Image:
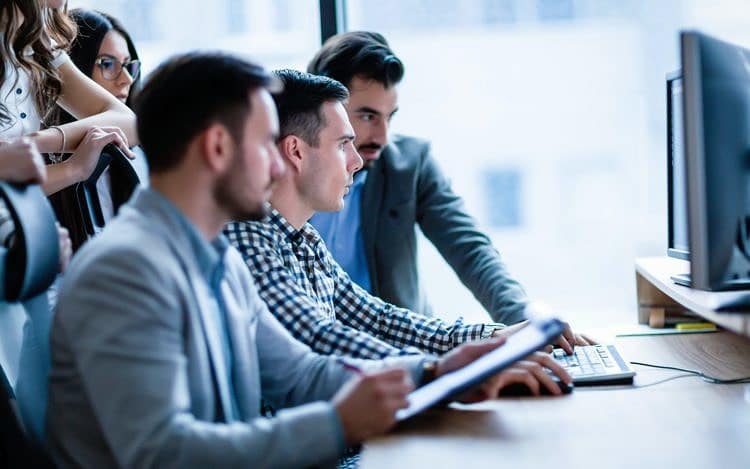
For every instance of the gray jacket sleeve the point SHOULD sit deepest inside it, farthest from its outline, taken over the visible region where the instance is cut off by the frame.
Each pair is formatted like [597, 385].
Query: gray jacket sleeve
[123, 320]
[443, 218]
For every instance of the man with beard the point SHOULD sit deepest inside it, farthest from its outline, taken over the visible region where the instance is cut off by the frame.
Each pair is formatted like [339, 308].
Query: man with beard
[401, 187]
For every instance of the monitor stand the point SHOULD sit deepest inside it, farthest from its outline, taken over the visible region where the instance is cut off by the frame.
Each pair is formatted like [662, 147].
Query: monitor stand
[682, 279]
[686, 280]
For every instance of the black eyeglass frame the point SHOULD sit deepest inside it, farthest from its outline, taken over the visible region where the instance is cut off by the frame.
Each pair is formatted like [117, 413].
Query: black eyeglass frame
[120, 66]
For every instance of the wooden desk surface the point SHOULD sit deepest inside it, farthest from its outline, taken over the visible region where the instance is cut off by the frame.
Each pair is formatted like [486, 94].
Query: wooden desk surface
[666, 419]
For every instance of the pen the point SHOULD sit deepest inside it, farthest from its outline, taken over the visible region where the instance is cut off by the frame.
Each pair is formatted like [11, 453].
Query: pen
[350, 367]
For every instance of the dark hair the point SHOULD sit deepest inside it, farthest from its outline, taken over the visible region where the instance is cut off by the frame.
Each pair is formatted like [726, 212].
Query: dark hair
[188, 93]
[358, 53]
[299, 104]
[30, 24]
[92, 27]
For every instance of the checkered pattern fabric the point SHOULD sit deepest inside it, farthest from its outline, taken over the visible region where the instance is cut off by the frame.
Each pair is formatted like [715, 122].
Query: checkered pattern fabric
[314, 298]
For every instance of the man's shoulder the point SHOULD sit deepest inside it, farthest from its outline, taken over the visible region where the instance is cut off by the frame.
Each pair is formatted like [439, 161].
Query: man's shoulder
[410, 145]
[261, 244]
[124, 245]
[249, 235]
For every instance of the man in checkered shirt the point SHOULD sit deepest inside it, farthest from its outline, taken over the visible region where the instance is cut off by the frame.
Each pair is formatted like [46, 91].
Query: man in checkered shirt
[303, 286]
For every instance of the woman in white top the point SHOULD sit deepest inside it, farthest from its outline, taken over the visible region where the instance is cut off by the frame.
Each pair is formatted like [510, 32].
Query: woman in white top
[36, 73]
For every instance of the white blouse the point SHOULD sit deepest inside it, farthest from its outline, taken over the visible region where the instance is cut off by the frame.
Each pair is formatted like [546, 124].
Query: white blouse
[16, 95]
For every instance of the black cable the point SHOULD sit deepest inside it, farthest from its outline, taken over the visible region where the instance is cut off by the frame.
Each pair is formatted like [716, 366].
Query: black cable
[703, 376]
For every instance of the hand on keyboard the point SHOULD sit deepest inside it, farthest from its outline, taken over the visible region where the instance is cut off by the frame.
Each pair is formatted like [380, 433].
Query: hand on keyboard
[569, 339]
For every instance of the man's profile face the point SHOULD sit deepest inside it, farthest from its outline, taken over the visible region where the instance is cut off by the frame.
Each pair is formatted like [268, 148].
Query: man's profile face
[370, 108]
[245, 188]
[328, 168]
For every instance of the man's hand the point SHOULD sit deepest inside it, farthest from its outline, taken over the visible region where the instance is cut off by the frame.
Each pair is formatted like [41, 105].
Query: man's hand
[367, 404]
[20, 162]
[568, 339]
[530, 371]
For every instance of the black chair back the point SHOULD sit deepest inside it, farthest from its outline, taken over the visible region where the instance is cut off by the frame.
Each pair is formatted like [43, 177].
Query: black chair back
[87, 198]
[32, 262]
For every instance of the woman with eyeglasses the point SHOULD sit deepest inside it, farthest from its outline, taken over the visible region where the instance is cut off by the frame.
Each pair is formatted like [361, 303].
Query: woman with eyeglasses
[35, 74]
[103, 51]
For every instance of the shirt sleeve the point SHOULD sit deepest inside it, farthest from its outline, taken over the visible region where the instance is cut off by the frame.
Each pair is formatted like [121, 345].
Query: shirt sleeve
[59, 58]
[296, 310]
[398, 327]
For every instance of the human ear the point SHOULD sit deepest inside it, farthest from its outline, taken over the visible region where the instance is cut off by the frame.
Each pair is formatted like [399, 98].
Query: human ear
[218, 147]
[293, 150]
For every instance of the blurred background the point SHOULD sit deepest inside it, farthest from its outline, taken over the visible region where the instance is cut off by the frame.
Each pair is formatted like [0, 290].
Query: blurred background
[548, 116]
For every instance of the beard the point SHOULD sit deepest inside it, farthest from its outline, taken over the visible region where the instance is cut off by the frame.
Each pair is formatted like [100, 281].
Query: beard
[228, 194]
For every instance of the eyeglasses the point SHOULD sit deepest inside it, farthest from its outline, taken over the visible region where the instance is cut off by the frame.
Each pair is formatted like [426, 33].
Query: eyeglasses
[112, 69]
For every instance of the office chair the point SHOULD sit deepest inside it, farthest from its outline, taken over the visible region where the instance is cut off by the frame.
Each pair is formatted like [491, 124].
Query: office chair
[29, 268]
[89, 209]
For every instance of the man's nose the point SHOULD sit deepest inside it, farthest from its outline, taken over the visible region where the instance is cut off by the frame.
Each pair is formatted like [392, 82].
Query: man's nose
[354, 159]
[380, 132]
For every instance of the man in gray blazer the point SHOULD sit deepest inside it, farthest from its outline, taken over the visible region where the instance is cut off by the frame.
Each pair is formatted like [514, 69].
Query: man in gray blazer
[161, 347]
[401, 187]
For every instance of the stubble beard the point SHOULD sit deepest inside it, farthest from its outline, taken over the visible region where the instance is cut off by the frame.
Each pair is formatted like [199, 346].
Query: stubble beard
[228, 190]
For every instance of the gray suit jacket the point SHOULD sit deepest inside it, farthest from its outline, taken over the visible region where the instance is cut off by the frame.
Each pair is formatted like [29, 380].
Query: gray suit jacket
[405, 188]
[134, 358]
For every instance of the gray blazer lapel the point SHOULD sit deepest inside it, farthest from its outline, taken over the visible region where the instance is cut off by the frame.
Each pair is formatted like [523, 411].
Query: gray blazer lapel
[370, 206]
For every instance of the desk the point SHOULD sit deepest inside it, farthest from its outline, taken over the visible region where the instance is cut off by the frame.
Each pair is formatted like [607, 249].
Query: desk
[658, 295]
[679, 423]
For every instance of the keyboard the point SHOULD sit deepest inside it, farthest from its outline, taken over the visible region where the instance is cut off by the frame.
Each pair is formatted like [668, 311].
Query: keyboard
[592, 365]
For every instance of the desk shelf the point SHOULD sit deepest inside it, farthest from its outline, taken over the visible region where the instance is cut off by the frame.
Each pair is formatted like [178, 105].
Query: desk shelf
[659, 296]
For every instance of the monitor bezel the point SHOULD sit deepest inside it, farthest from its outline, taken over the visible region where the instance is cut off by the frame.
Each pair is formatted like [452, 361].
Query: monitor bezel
[671, 250]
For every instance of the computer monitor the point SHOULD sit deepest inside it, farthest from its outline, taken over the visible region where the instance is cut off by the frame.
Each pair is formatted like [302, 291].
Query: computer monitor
[716, 123]
[677, 225]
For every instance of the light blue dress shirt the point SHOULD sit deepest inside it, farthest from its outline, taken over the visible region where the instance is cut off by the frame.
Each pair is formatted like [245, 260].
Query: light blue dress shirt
[210, 257]
[342, 233]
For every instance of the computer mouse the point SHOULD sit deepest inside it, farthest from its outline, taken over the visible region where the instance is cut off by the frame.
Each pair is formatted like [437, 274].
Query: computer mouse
[521, 389]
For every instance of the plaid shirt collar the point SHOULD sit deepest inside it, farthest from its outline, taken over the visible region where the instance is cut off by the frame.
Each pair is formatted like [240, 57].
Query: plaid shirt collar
[293, 235]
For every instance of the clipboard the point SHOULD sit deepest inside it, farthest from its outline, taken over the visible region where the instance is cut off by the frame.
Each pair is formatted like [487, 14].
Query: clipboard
[528, 340]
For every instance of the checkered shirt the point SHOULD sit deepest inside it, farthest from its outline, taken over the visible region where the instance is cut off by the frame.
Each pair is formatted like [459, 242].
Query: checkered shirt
[314, 298]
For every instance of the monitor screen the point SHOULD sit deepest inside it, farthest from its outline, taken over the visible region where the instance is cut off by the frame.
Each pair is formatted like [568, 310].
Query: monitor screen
[677, 240]
[716, 116]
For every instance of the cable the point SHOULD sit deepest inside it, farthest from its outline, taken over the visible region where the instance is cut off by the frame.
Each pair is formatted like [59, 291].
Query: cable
[703, 376]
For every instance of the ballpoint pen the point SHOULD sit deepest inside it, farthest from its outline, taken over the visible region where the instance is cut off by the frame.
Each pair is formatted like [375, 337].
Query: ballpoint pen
[350, 367]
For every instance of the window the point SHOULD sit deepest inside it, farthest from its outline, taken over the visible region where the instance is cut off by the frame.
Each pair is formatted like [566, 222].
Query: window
[549, 117]
[277, 33]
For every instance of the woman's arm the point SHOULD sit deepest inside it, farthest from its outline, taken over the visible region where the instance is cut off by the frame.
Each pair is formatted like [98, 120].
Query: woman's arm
[83, 161]
[92, 105]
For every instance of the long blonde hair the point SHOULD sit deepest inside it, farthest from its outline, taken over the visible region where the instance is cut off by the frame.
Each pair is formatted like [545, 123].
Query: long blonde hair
[29, 23]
